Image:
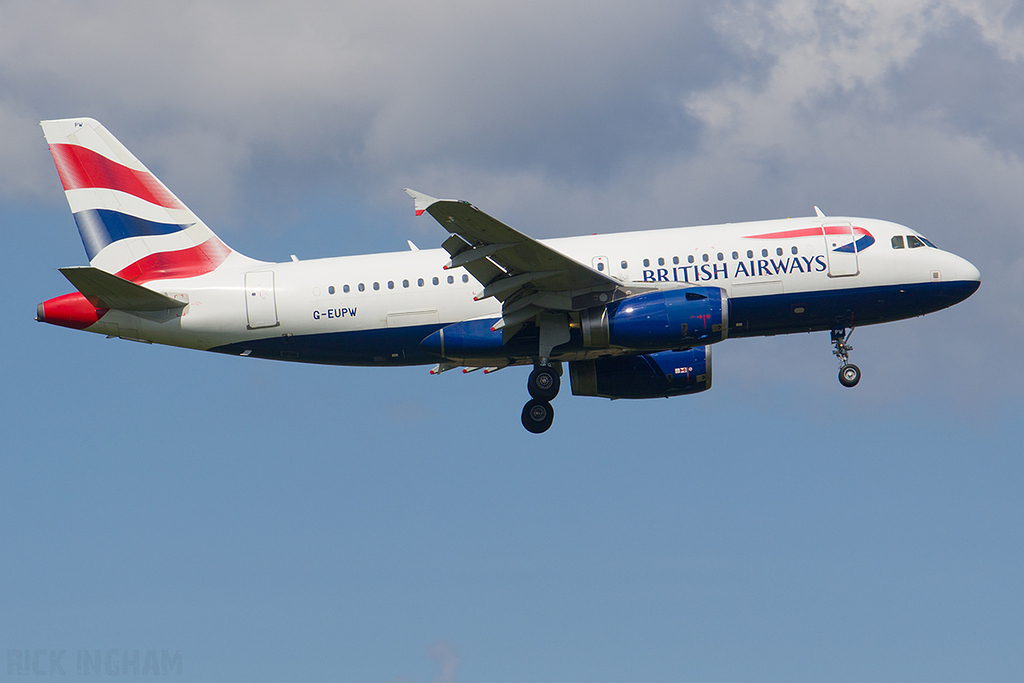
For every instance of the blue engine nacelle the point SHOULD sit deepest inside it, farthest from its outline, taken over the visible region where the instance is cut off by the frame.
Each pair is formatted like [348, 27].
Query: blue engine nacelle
[669, 319]
[473, 341]
[655, 375]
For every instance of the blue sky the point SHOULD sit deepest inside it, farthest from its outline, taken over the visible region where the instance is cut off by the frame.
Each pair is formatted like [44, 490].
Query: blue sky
[268, 520]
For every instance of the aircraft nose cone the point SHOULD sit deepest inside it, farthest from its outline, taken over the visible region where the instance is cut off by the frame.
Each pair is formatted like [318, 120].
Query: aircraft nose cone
[965, 270]
[967, 273]
[968, 279]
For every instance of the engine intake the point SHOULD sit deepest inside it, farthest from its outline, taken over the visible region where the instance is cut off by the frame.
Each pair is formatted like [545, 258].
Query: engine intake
[654, 375]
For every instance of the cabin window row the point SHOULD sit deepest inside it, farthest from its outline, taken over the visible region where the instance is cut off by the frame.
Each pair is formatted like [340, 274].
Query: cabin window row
[779, 251]
[391, 284]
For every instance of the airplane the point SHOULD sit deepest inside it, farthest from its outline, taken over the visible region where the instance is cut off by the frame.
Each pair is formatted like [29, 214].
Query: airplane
[633, 314]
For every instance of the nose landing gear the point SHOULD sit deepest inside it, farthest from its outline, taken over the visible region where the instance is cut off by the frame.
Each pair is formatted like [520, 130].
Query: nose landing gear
[543, 386]
[849, 374]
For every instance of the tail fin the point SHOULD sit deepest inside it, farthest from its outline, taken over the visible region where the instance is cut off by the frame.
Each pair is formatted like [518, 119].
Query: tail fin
[130, 223]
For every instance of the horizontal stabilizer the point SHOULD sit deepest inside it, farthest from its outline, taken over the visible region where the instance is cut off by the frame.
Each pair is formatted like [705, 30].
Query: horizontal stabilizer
[107, 290]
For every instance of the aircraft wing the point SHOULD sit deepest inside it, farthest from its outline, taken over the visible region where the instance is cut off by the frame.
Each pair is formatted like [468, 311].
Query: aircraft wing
[528, 277]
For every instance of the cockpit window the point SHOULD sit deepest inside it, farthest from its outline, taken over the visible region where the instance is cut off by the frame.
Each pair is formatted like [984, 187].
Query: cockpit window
[929, 243]
[913, 242]
[897, 242]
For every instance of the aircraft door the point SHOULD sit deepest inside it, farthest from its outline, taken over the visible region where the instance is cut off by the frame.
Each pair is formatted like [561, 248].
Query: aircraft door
[260, 302]
[840, 250]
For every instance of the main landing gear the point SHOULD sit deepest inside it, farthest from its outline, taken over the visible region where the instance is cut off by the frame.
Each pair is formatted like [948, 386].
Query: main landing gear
[543, 386]
[849, 374]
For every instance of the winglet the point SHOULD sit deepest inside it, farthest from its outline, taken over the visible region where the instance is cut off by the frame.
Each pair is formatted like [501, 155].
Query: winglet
[818, 213]
[420, 201]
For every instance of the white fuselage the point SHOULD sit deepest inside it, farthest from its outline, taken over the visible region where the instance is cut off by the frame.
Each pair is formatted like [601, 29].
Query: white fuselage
[246, 300]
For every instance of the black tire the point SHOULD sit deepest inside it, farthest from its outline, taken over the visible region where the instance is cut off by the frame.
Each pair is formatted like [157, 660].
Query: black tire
[543, 383]
[849, 375]
[538, 416]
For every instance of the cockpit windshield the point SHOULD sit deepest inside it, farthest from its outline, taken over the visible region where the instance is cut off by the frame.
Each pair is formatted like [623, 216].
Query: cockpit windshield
[913, 242]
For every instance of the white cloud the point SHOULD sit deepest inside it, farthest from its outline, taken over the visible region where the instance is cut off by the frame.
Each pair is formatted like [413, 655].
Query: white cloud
[815, 49]
[998, 25]
[379, 85]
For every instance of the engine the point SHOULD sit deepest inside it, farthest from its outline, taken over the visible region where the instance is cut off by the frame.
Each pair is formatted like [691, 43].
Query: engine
[669, 319]
[655, 321]
[654, 375]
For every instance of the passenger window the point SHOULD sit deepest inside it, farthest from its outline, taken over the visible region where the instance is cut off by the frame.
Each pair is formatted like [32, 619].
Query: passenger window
[435, 281]
[330, 290]
[764, 252]
[600, 267]
[778, 251]
[647, 263]
[345, 289]
[704, 258]
[689, 259]
[362, 287]
[391, 284]
[451, 279]
[897, 242]
[405, 283]
[419, 283]
[624, 265]
[465, 278]
[661, 261]
[750, 253]
[376, 286]
[721, 256]
[913, 242]
[793, 250]
[735, 255]
[675, 260]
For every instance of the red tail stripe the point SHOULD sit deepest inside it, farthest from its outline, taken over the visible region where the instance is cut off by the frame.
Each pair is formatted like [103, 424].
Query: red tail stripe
[80, 167]
[166, 265]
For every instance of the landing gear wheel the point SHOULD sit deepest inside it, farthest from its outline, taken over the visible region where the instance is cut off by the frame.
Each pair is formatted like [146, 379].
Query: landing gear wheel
[538, 416]
[544, 383]
[849, 375]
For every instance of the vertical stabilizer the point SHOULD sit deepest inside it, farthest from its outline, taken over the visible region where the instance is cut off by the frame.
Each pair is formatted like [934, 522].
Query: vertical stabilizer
[130, 223]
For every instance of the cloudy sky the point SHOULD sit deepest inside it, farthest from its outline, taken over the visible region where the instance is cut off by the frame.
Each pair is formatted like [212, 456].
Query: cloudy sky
[266, 520]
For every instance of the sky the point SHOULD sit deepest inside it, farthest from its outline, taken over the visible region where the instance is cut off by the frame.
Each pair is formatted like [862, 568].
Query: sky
[229, 519]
